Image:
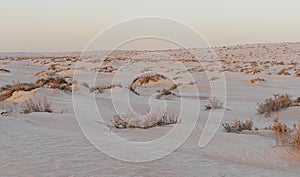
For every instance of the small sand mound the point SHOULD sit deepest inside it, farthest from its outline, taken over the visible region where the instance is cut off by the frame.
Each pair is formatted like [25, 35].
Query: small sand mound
[148, 80]
[150, 84]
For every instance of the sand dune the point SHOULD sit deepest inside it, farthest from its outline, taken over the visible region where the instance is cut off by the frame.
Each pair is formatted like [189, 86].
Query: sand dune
[52, 144]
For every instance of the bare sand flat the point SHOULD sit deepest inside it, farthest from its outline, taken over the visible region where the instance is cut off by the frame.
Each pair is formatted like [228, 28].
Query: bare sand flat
[52, 144]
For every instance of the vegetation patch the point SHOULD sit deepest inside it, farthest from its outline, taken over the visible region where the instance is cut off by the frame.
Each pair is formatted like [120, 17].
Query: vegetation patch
[238, 126]
[135, 120]
[277, 103]
[30, 106]
[214, 103]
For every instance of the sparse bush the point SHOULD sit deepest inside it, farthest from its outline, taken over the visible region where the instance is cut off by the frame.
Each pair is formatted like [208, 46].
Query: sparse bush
[256, 80]
[297, 73]
[134, 120]
[30, 107]
[214, 103]
[9, 89]
[102, 88]
[54, 83]
[274, 104]
[286, 136]
[284, 71]
[145, 79]
[52, 67]
[51, 82]
[163, 92]
[104, 69]
[238, 126]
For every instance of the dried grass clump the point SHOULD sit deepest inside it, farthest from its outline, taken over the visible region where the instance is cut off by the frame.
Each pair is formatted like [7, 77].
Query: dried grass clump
[8, 89]
[53, 67]
[134, 120]
[104, 69]
[54, 83]
[142, 80]
[257, 80]
[166, 92]
[238, 126]
[102, 88]
[297, 73]
[286, 136]
[277, 103]
[30, 107]
[284, 72]
[196, 69]
[254, 71]
[214, 103]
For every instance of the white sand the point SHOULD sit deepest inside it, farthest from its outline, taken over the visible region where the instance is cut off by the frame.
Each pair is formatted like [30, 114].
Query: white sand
[52, 144]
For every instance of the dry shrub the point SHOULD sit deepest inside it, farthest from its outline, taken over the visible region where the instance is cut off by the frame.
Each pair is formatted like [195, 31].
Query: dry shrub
[196, 69]
[134, 120]
[142, 80]
[54, 83]
[214, 103]
[102, 88]
[254, 71]
[297, 73]
[9, 89]
[166, 92]
[277, 103]
[30, 107]
[286, 136]
[284, 72]
[238, 126]
[104, 69]
[256, 80]
[52, 67]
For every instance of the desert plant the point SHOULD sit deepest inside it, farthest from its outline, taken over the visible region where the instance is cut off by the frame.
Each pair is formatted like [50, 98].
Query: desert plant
[135, 120]
[286, 136]
[214, 103]
[51, 82]
[256, 80]
[30, 107]
[283, 71]
[274, 104]
[238, 126]
[54, 83]
[297, 73]
[8, 89]
[102, 88]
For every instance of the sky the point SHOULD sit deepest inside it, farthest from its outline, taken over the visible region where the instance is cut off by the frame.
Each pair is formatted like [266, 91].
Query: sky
[69, 25]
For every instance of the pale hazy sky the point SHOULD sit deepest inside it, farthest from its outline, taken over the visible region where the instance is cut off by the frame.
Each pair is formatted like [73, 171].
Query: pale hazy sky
[67, 25]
